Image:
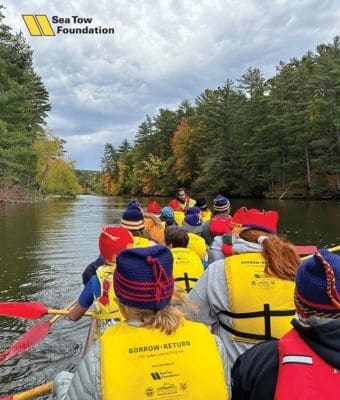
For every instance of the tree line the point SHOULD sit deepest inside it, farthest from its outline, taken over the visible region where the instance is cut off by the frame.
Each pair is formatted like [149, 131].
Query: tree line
[31, 157]
[254, 137]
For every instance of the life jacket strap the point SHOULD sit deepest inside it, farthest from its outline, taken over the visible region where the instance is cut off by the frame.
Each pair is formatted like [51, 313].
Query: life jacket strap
[266, 314]
[186, 280]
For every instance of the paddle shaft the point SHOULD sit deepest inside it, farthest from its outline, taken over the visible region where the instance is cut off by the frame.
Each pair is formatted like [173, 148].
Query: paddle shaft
[36, 391]
[332, 249]
[65, 312]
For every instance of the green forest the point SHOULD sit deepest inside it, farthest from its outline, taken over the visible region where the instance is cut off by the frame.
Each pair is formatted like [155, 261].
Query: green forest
[250, 138]
[31, 158]
[254, 137]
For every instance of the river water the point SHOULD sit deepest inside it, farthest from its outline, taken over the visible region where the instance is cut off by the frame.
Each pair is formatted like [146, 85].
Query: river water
[45, 247]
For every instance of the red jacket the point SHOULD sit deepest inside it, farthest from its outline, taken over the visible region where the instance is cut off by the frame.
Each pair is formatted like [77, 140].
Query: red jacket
[303, 374]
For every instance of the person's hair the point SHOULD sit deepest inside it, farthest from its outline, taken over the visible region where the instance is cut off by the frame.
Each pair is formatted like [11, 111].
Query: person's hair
[167, 320]
[280, 256]
[175, 236]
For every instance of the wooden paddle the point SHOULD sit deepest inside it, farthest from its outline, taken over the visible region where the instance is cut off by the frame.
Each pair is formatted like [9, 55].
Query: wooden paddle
[29, 394]
[33, 336]
[332, 249]
[30, 310]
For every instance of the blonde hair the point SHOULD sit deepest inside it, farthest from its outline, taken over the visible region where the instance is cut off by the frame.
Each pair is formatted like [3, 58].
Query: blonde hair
[280, 256]
[167, 319]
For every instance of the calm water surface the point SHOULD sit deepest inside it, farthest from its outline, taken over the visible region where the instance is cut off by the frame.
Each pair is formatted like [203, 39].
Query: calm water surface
[45, 247]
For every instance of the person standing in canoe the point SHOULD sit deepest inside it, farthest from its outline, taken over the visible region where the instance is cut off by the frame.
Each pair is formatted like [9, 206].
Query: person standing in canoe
[304, 364]
[154, 352]
[257, 283]
[99, 290]
[180, 204]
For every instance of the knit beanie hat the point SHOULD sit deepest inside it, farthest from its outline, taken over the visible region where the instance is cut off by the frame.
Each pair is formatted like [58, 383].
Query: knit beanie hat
[154, 208]
[134, 202]
[221, 203]
[192, 210]
[112, 240]
[143, 277]
[133, 218]
[193, 223]
[317, 286]
[201, 202]
[167, 212]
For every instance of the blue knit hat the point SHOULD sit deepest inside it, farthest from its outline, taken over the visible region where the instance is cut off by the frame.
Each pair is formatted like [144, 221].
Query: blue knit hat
[192, 210]
[221, 203]
[317, 286]
[167, 212]
[193, 223]
[133, 218]
[143, 277]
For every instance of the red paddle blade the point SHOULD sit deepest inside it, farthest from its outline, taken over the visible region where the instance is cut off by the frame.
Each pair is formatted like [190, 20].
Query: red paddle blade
[305, 249]
[7, 398]
[31, 310]
[29, 339]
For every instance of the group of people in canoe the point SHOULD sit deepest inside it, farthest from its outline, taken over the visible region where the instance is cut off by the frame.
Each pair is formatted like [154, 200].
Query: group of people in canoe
[194, 304]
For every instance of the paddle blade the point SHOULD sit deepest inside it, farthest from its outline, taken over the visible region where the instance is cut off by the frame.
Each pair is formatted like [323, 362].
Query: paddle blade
[29, 339]
[305, 249]
[7, 398]
[31, 310]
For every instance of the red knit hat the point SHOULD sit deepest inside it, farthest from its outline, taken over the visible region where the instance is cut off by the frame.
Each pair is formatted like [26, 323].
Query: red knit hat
[154, 208]
[112, 240]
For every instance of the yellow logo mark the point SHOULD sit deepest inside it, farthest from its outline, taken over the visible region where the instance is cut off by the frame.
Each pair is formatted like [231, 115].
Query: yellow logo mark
[38, 25]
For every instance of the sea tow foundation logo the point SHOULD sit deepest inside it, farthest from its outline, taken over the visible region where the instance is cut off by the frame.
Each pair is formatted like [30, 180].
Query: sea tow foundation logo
[41, 25]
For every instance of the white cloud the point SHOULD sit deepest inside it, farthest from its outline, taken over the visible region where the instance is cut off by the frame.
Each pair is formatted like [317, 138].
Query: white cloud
[101, 87]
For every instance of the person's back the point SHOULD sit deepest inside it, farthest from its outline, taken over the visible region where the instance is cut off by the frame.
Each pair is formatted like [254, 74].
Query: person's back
[153, 223]
[133, 220]
[188, 266]
[155, 351]
[98, 290]
[219, 223]
[219, 299]
[304, 363]
[206, 214]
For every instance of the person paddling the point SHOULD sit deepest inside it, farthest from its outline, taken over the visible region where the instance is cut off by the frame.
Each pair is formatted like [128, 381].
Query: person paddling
[154, 352]
[99, 289]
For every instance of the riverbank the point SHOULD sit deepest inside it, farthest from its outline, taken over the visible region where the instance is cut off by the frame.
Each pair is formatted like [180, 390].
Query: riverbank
[16, 194]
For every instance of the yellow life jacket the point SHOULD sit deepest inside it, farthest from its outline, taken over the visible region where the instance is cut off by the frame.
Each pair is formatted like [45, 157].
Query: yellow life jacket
[106, 309]
[187, 268]
[206, 215]
[139, 241]
[179, 217]
[144, 363]
[198, 245]
[261, 305]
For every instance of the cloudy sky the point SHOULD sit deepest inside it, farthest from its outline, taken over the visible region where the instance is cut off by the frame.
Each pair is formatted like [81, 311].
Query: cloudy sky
[102, 86]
